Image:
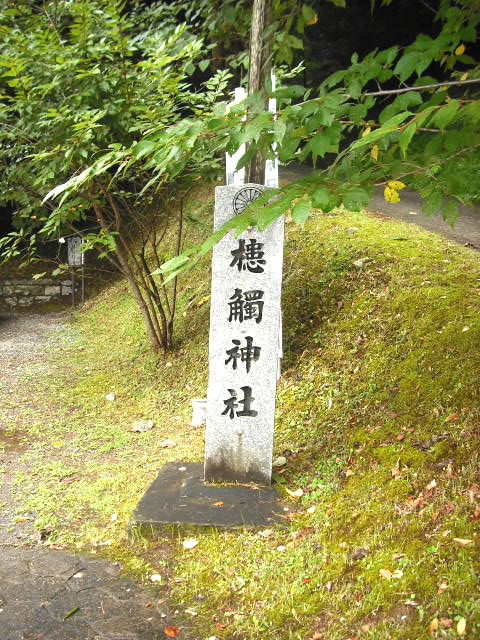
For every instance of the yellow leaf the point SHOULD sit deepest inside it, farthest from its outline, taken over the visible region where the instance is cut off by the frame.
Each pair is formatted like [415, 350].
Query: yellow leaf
[374, 152]
[203, 300]
[461, 626]
[433, 626]
[464, 76]
[391, 195]
[460, 50]
[396, 184]
[314, 20]
[366, 132]
[385, 573]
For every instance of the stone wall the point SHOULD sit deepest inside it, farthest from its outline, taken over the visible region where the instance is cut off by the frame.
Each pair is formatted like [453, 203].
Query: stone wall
[18, 293]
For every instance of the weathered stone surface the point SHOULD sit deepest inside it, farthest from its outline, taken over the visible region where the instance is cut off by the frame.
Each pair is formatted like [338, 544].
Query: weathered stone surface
[245, 319]
[179, 495]
[25, 293]
[53, 290]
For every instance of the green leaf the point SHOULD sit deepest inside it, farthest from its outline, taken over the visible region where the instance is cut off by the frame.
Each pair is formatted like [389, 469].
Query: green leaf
[189, 68]
[451, 211]
[320, 198]
[432, 203]
[408, 63]
[143, 148]
[356, 199]
[320, 143]
[301, 211]
[388, 127]
[406, 136]
[446, 114]
[203, 65]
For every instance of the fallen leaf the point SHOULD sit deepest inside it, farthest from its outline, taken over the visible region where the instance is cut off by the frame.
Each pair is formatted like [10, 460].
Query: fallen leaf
[454, 417]
[306, 580]
[433, 626]
[476, 515]
[191, 612]
[218, 504]
[397, 574]
[279, 462]
[171, 632]
[156, 577]
[298, 493]
[449, 508]
[266, 533]
[395, 471]
[461, 626]
[443, 586]
[348, 473]
[165, 444]
[385, 573]
[110, 397]
[358, 554]
[71, 613]
[313, 507]
[203, 300]
[189, 543]
[462, 542]
[446, 622]
[400, 437]
[431, 485]
[141, 426]
[281, 548]
[472, 492]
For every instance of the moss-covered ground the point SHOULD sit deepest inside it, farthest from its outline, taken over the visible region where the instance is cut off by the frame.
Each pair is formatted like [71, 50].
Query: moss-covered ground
[377, 415]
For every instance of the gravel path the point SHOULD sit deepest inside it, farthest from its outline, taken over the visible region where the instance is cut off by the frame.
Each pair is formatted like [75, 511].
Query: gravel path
[47, 594]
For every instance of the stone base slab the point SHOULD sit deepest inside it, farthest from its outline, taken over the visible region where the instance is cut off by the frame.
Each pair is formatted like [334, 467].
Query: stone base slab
[180, 496]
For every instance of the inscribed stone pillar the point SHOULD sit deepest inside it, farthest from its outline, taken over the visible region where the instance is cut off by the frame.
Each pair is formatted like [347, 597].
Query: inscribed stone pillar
[243, 348]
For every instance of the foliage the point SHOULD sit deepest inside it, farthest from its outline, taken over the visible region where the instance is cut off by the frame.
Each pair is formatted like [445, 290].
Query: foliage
[400, 117]
[78, 79]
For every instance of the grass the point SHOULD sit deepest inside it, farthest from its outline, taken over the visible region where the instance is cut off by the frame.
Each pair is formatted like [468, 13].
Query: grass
[377, 415]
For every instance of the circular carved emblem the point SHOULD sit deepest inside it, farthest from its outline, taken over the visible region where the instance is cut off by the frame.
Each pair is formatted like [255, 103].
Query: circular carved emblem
[244, 197]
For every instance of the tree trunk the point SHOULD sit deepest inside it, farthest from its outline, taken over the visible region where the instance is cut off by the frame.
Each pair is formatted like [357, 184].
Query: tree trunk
[257, 71]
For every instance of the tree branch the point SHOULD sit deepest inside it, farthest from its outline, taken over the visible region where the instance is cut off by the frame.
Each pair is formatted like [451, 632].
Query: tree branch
[423, 87]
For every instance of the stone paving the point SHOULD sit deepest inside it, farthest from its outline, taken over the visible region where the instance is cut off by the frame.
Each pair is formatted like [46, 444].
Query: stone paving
[47, 594]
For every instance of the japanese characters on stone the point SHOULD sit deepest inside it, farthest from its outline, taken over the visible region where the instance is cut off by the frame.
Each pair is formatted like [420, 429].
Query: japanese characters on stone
[244, 306]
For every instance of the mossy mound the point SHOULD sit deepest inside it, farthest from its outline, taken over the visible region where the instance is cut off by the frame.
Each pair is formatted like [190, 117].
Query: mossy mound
[377, 415]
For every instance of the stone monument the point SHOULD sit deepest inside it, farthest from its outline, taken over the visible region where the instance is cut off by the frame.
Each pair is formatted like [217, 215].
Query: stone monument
[245, 321]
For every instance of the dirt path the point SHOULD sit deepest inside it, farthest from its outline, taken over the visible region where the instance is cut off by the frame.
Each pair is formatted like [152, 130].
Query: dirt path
[47, 594]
